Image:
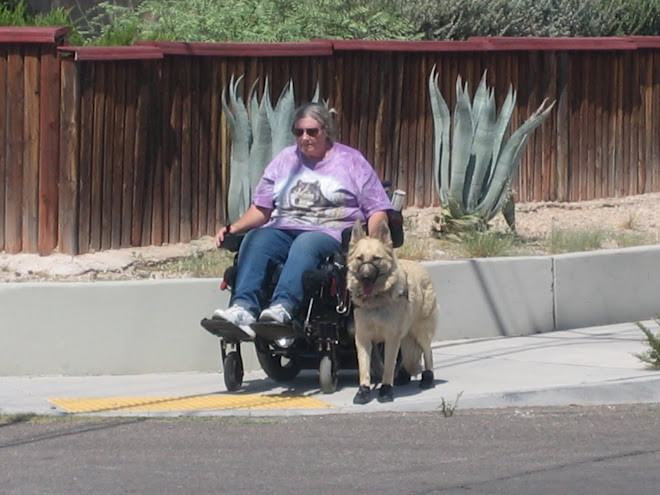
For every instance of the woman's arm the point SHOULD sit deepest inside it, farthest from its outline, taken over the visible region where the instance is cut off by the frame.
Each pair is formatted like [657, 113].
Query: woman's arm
[254, 217]
[375, 218]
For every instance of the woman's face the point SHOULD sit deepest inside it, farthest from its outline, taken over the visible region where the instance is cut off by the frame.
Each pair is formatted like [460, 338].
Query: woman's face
[310, 138]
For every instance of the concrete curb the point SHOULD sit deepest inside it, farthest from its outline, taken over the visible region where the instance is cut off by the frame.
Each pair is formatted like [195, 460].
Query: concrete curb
[133, 327]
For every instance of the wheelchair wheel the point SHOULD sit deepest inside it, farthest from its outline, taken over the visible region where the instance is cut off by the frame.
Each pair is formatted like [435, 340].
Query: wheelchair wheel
[278, 367]
[233, 371]
[328, 376]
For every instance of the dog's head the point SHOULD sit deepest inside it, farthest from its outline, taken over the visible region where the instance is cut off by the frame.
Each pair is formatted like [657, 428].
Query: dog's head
[371, 262]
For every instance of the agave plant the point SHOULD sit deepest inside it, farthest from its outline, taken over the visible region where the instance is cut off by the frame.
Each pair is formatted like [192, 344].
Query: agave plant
[474, 165]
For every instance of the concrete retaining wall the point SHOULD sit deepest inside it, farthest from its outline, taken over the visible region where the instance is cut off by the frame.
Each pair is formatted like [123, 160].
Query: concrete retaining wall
[95, 328]
[605, 287]
[134, 327]
[497, 296]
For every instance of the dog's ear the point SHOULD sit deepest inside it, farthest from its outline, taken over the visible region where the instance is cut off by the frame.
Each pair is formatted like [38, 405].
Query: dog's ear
[383, 234]
[357, 233]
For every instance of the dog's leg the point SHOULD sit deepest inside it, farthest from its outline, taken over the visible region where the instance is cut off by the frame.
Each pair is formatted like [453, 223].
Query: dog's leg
[428, 380]
[386, 392]
[363, 346]
[392, 346]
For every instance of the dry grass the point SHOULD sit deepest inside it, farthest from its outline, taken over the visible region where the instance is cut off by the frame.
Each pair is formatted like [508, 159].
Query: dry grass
[631, 222]
[202, 264]
[423, 246]
[211, 264]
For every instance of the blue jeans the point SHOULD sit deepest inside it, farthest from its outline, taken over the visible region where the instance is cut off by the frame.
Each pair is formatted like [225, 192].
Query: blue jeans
[297, 250]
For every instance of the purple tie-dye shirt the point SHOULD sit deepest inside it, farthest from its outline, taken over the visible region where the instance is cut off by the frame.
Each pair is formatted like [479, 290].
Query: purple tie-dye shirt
[327, 196]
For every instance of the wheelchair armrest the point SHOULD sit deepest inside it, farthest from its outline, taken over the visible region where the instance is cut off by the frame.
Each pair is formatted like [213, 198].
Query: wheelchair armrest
[232, 242]
[395, 221]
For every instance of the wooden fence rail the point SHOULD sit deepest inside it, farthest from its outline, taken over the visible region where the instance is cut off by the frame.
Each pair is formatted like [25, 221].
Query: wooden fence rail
[141, 152]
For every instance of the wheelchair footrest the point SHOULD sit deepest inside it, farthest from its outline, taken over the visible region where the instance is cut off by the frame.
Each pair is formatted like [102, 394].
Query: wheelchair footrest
[274, 331]
[224, 329]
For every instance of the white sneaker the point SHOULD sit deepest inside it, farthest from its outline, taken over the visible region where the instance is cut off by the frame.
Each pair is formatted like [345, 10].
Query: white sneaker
[238, 316]
[275, 314]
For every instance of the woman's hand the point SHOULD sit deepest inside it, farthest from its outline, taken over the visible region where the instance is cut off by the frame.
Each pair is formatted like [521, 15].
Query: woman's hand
[220, 236]
[254, 217]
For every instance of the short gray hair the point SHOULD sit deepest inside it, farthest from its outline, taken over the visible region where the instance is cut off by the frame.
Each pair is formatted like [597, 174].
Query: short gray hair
[321, 114]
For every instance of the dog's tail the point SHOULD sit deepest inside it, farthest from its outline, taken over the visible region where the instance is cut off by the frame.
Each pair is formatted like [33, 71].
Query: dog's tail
[411, 354]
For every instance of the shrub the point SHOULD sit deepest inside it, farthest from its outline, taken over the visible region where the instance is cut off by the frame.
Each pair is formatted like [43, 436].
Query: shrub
[632, 17]
[277, 20]
[249, 20]
[652, 355]
[460, 19]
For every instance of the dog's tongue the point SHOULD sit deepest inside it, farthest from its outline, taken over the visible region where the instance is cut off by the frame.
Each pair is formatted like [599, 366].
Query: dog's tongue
[367, 289]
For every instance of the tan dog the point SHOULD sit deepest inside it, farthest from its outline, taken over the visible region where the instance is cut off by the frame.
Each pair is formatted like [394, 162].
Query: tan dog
[394, 303]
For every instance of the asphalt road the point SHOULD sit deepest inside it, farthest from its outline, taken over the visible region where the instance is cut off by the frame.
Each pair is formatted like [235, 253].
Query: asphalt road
[572, 450]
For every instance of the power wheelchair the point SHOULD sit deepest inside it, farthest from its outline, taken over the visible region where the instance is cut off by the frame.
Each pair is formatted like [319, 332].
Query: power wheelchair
[319, 337]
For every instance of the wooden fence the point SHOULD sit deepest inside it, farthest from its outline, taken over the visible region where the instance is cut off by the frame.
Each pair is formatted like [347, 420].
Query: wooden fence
[143, 144]
[29, 138]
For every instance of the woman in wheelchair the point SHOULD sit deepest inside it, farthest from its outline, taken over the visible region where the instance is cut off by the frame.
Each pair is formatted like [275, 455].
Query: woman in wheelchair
[306, 197]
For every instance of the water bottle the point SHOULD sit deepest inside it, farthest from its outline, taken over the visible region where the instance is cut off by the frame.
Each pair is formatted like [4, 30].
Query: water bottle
[398, 199]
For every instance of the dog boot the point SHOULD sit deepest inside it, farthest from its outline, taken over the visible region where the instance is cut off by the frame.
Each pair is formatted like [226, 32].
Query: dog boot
[402, 377]
[363, 395]
[386, 393]
[427, 381]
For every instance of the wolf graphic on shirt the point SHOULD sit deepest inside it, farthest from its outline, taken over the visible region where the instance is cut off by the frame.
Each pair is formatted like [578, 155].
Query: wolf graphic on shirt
[308, 195]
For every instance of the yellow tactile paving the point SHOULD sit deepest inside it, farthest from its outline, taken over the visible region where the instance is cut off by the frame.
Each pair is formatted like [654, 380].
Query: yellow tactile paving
[195, 403]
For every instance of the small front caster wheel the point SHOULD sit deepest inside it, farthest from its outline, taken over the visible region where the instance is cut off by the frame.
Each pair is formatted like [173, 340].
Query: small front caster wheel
[328, 376]
[233, 371]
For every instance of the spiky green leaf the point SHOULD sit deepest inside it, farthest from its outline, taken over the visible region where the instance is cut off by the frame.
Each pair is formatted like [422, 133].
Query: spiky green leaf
[283, 119]
[241, 135]
[509, 160]
[441, 145]
[482, 146]
[261, 151]
[503, 123]
[463, 135]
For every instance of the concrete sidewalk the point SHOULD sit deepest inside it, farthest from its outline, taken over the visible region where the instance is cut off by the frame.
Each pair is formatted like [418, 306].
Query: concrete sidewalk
[583, 367]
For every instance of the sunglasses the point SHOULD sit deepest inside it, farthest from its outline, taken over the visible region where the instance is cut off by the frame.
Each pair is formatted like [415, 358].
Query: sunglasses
[313, 132]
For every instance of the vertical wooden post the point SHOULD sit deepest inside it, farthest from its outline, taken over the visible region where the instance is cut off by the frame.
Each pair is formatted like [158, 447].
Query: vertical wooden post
[145, 155]
[3, 142]
[69, 166]
[49, 131]
[14, 151]
[31, 127]
[563, 121]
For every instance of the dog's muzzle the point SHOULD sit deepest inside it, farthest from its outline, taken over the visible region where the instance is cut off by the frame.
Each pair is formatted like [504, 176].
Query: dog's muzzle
[367, 274]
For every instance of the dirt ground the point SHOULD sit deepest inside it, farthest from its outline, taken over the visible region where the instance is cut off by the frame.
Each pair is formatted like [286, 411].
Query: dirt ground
[631, 214]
